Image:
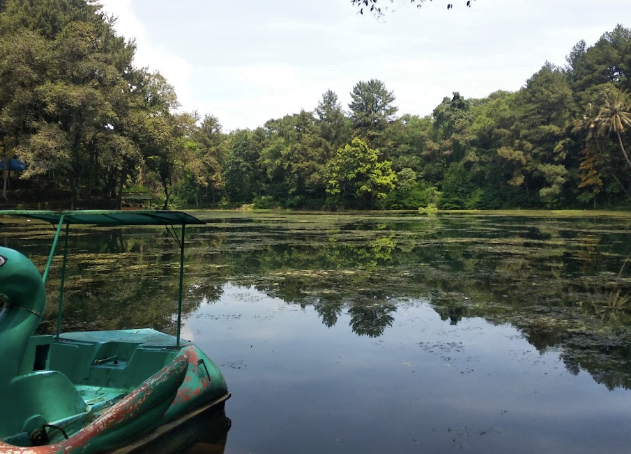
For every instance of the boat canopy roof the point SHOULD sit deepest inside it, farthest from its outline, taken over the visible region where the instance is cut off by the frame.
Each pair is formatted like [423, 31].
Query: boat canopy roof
[108, 218]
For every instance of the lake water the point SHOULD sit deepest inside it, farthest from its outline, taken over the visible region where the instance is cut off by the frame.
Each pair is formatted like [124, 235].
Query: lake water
[381, 333]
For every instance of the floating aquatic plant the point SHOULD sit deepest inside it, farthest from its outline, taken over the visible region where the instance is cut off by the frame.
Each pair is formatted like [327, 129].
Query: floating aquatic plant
[614, 302]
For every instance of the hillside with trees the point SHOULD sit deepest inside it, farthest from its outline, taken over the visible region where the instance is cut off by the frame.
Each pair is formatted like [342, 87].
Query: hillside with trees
[86, 128]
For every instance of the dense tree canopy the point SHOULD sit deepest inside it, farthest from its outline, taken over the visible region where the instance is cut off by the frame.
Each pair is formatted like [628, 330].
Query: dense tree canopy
[91, 129]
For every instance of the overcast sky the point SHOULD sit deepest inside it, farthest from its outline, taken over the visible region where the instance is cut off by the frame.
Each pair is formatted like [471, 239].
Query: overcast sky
[249, 61]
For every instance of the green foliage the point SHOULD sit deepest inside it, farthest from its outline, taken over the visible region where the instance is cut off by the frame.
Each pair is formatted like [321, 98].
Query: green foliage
[411, 195]
[89, 124]
[264, 203]
[459, 191]
[371, 108]
[333, 125]
[242, 174]
[295, 157]
[614, 117]
[357, 174]
[430, 209]
[204, 163]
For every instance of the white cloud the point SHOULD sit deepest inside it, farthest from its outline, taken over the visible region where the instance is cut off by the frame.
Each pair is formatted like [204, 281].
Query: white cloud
[152, 54]
[251, 61]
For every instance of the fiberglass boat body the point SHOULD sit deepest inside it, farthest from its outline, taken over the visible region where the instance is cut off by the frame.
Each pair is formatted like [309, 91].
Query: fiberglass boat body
[90, 392]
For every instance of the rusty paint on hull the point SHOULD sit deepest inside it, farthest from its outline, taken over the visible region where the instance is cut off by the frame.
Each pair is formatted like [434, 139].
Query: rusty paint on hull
[185, 384]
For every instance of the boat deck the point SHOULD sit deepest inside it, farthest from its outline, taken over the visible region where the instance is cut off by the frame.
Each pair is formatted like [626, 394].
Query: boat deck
[145, 337]
[98, 397]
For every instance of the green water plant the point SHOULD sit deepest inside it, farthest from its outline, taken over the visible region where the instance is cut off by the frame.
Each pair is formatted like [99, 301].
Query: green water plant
[614, 302]
[430, 209]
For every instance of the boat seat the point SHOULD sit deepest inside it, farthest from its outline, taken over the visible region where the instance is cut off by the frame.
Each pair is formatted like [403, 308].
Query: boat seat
[72, 359]
[47, 393]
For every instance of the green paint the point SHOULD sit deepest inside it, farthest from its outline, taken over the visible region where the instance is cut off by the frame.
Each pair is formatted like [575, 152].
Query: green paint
[63, 281]
[21, 286]
[53, 248]
[107, 218]
[180, 289]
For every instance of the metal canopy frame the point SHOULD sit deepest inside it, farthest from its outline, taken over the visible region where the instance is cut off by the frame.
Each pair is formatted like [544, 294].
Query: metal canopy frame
[169, 219]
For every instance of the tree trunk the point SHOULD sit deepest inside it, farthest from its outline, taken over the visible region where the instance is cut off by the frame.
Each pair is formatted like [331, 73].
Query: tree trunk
[212, 190]
[96, 170]
[167, 195]
[626, 156]
[618, 181]
[90, 175]
[7, 148]
[73, 193]
[119, 198]
[5, 177]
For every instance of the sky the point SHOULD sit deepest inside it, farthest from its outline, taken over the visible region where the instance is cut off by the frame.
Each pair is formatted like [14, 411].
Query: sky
[250, 61]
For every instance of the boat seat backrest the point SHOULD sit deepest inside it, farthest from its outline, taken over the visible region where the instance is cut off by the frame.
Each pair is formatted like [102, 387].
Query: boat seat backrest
[72, 359]
[109, 364]
[145, 362]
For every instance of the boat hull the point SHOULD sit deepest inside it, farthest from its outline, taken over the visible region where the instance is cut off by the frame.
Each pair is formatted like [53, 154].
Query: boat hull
[109, 413]
[208, 421]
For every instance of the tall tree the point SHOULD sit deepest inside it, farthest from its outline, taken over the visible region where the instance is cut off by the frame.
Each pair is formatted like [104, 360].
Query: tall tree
[71, 90]
[24, 59]
[331, 119]
[242, 173]
[295, 157]
[545, 113]
[212, 153]
[607, 61]
[371, 108]
[613, 117]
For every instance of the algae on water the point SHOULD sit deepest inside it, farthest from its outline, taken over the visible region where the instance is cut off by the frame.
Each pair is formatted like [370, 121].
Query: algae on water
[562, 280]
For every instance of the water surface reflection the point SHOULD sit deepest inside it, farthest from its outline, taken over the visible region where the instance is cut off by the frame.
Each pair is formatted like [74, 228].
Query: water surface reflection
[383, 333]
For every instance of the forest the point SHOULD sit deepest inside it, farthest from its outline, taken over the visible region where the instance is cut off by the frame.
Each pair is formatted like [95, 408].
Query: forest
[82, 127]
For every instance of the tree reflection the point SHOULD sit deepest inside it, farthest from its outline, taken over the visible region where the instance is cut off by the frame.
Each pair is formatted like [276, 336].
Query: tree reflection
[133, 285]
[453, 314]
[563, 283]
[329, 309]
[371, 319]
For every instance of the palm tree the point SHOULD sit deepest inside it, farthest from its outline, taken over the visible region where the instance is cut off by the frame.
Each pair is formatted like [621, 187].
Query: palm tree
[613, 117]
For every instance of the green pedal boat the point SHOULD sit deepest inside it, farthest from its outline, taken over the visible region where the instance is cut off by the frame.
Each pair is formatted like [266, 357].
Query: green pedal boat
[101, 391]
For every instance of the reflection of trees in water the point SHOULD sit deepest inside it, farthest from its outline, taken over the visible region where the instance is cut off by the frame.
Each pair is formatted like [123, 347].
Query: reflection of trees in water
[546, 279]
[125, 303]
[454, 314]
[370, 313]
[537, 280]
[371, 319]
[128, 283]
[295, 274]
[329, 309]
[609, 365]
